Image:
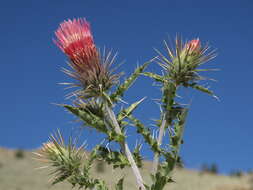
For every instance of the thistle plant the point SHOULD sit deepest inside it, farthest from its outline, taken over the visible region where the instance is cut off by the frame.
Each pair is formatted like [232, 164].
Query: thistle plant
[98, 92]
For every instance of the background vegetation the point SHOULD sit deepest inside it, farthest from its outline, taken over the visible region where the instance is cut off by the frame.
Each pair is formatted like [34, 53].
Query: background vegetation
[21, 174]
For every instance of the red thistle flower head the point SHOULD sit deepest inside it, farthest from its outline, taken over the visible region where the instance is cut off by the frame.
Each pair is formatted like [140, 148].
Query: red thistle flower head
[194, 45]
[75, 39]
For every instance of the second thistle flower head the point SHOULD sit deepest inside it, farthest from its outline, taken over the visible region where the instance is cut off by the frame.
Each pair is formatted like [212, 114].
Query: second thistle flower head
[183, 61]
[193, 46]
[90, 68]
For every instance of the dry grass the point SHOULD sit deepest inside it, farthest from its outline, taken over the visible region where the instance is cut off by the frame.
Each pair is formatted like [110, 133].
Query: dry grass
[20, 174]
[229, 187]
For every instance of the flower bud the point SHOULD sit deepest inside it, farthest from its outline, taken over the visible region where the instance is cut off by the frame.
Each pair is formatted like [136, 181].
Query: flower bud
[182, 65]
[50, 148]
[193, 46]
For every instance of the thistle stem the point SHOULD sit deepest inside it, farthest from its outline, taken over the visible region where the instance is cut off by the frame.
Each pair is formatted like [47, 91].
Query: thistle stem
[169, 94]
[126, 149]
[159, 142]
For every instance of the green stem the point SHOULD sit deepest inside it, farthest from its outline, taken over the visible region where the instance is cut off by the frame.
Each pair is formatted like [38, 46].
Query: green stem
[169, 94]
[159, 142]
[180, 125]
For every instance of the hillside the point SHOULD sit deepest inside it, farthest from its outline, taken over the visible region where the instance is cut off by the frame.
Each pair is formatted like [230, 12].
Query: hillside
[20, 174]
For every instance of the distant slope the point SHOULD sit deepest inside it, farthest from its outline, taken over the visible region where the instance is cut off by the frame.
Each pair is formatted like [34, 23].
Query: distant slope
[20, 174]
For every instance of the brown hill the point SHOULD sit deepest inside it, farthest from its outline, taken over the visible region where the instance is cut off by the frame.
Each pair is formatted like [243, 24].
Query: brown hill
[18, 172]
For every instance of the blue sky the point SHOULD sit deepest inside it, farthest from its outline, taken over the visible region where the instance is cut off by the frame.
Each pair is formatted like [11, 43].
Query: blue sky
[216, 132]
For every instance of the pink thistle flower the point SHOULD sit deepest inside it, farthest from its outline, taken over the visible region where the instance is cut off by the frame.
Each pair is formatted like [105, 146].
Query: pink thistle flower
[90, 68]
[194, 45]
[74, 37]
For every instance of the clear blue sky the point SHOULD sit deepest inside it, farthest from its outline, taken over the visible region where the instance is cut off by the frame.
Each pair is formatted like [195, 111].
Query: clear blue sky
[219, 132]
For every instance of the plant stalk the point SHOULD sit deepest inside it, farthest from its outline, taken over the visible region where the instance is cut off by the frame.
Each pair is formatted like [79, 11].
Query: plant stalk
[126, 149]
[169, 93]
[159, 142]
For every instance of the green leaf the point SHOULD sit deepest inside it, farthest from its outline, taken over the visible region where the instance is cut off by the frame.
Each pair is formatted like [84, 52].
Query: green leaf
[176, 139]
[163, 175]
[137, 156]
[100, 185]
[159, 181]
[127, 83]
[117, 159]
[168, 165]
[173, 113]
[145, 132]
[89, 118]
[128, 111]
[119, 185]
[113, 136]
[203, 89]
[154, 76]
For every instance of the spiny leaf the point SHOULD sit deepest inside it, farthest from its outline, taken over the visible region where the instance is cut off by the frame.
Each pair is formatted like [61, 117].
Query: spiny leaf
[113, 136]
[137, 156]
[127, 83]
[100, 185]
[203, 89]
[176, 138]
[128, 111]
[163, 175]
[119, 185]
[95, 122]
[145, 132]
[173, 113]
[154, 76]
[89, 118]
[117, 159]
[159, 181]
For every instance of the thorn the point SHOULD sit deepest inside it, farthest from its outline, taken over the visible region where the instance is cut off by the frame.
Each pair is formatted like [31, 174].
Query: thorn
[123, 101]
[107, 147]
[42, 167]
